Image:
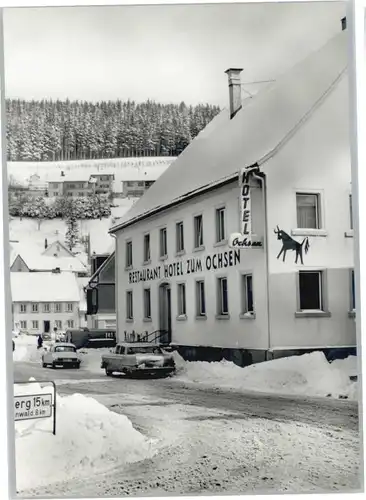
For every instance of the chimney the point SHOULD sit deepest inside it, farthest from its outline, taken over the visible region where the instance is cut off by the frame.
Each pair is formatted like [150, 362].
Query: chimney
[344, 23]
[234, 90]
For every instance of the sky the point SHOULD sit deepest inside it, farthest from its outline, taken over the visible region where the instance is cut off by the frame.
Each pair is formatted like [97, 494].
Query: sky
[166, 53]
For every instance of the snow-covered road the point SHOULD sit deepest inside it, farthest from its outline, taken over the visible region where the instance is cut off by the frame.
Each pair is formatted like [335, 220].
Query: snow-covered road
[215, 442]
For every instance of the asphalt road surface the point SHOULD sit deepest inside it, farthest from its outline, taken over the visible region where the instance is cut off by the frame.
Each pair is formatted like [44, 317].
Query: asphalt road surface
[216, 442]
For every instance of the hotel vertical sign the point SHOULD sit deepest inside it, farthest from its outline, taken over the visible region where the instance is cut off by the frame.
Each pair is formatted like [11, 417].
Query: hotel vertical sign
[244, 239]
[245, 205]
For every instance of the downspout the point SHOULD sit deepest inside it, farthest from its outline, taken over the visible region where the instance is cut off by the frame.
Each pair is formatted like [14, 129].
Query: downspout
[261, 177]
[115, 283]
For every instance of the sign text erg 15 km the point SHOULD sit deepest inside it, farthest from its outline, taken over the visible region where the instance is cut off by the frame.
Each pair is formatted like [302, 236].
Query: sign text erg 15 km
[32, 406]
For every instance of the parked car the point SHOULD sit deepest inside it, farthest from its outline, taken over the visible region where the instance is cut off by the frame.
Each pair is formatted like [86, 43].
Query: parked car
[61, 354]
[138, 358]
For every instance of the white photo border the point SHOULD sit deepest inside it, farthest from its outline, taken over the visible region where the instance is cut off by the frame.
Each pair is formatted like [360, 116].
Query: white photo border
[356, 25]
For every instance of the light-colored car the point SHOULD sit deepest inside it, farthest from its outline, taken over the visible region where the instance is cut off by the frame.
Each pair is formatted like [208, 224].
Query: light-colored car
[61, 354]
[138, 358]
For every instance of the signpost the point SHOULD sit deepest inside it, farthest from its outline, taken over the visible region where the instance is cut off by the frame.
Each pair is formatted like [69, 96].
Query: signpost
[32, 406]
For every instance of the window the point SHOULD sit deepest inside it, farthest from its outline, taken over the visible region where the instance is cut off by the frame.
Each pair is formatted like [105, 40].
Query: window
[147, 303]
[163, 242]
[35, 325]
[200, 299]
[23, 325]
[35, 308]
[46, 308]
[198, 231]
[247, 294]
[57, 307]
[353, 293]
[222, 296]
[311, 290]
[147, 248]
[58, 324]
[70, 323]
[81, 194]
[182, 311]
[350, 212]
[179, 237]
[308, 211]
[55, 193]
[220, 225]
[23, 308]
[129, 305]
[129, 254]
[69, 307]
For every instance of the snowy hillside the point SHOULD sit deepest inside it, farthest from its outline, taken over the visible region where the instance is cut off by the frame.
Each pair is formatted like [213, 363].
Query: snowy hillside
[122, 168]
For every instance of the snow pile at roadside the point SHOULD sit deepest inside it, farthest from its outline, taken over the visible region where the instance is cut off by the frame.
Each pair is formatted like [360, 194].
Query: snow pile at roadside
[26, 349]
[306, 375]
[89, 438]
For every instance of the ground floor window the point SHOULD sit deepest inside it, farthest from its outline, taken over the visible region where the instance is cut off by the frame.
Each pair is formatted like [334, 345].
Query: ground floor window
[129, 305]
[58, 323]
[35, 324]
[200, 298]
[23, 325]
[147, 303]
[247, 294]
[311, 290]
[181, 290]
[70, 323]
[222, 297]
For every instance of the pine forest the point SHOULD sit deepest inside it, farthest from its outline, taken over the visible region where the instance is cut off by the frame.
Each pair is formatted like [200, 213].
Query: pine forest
[72, 130]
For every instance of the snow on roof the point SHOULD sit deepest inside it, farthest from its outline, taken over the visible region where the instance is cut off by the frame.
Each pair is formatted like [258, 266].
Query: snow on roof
[44, 287]
[258, 129]
[101, 241]
[77, 175]
[140, 173]
[36, 261]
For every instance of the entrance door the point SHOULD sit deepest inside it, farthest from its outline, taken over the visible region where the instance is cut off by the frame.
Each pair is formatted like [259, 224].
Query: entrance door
[46, 327]
[165, 312]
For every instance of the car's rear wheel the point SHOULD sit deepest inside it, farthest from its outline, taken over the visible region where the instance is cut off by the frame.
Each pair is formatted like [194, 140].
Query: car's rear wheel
[44, 365]
[108, 372]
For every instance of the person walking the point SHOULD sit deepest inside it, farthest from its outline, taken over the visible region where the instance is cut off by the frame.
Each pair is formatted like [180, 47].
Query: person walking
[40, 341]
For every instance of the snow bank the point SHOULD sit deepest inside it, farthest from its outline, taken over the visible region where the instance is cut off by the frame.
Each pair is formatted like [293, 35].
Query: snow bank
[89, 439]
[26, 349]
[306, 375]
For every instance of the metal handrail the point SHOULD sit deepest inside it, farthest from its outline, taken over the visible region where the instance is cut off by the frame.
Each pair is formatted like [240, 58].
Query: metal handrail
[152, 337]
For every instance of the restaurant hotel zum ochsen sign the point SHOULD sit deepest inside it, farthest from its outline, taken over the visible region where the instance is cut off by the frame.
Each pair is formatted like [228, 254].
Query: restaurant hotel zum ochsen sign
[214, 261]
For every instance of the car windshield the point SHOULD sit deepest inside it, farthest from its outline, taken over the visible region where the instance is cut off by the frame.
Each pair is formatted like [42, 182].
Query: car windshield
[65, 348]
[144, 350]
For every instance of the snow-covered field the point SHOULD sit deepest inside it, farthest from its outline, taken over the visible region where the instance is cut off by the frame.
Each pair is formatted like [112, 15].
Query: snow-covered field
[97, 440]
[307, 375]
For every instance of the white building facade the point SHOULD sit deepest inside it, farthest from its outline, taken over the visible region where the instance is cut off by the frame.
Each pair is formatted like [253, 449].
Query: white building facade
[177, 270]
[44, 301]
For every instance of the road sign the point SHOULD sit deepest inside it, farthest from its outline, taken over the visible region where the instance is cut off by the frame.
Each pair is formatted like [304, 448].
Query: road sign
[32, 406]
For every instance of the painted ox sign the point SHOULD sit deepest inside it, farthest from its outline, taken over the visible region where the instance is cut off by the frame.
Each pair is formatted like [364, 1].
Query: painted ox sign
[289, 243]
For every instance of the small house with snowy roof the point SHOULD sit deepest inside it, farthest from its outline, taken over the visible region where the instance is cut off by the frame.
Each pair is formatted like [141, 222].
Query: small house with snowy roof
[243, 247]
[44, 301]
